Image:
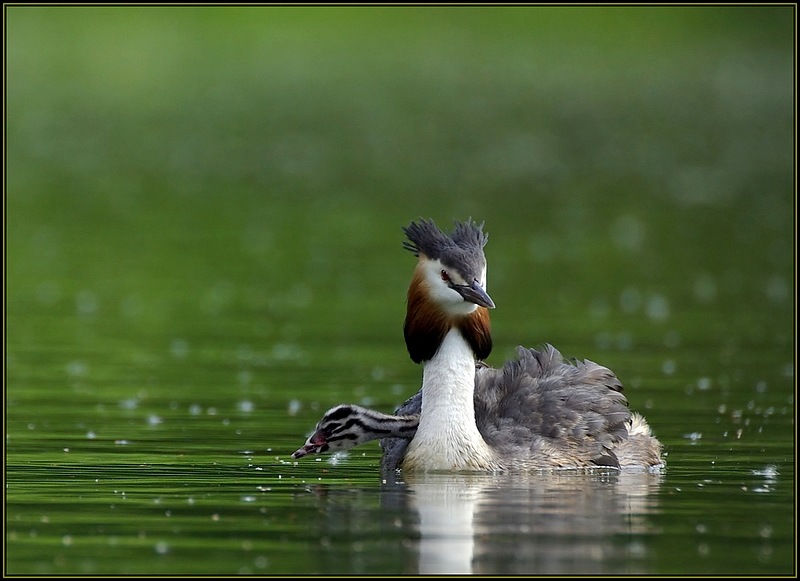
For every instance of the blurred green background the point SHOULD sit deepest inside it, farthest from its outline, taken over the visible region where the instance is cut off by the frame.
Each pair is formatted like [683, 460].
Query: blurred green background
[155, 154]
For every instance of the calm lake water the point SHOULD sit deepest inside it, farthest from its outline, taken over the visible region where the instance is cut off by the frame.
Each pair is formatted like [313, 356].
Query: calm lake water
[204, 213]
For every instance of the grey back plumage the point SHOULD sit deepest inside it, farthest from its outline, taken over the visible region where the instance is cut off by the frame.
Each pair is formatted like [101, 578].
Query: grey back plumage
[542, 411]
[394, 449]
[540, 405]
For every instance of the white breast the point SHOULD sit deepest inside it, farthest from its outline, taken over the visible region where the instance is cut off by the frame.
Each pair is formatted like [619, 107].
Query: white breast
[447, 437]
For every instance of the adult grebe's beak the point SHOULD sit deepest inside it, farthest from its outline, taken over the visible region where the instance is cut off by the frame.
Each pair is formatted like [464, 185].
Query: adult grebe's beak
[474, 293]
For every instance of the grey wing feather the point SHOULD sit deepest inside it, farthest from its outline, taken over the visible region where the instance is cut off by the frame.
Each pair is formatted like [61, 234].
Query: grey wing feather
[541, 406]
[394, 449]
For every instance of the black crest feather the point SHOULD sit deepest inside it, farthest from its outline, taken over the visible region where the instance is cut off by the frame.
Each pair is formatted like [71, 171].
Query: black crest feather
[425, 237]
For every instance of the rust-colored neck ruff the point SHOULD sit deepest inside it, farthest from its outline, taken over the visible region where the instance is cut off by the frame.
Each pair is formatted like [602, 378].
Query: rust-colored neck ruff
[426, 325]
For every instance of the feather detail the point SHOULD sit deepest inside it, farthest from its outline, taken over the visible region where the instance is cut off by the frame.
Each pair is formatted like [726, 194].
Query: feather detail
[477, 330]
[425, 325]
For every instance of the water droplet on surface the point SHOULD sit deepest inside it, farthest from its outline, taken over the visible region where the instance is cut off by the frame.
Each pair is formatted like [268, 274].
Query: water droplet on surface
[86, 303]
[704, 383]
[657, 308]
[705, 288]
[777, 289]
[179, 348]
[77, 369]
[628, 233]
[129, 404]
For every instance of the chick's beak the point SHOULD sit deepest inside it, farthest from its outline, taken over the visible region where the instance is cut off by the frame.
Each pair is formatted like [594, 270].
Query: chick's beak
[307, 449]
[316, 444]
[474, 293]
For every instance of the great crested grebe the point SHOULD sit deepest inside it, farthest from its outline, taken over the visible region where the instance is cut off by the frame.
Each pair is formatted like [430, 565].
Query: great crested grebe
[536, 412]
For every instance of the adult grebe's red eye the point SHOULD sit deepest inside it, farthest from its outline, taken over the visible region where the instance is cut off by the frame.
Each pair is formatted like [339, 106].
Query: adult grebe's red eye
[445, 276]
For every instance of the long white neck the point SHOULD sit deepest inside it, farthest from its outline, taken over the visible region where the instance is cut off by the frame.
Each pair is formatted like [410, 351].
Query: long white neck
[447, 437]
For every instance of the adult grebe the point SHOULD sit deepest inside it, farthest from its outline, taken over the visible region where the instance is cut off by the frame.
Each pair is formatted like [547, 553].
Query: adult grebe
[536, 412]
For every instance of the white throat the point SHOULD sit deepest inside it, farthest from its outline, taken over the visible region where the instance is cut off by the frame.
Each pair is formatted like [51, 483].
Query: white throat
[447, 437]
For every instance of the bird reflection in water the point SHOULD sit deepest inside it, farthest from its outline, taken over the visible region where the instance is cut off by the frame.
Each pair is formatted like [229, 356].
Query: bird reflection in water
[564, 523]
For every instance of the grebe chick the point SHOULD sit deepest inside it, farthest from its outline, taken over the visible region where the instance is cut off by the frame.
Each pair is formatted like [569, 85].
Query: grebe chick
[346, 426]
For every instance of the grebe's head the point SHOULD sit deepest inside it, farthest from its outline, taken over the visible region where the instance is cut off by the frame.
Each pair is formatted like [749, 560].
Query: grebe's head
[340, 428]
[451, 268]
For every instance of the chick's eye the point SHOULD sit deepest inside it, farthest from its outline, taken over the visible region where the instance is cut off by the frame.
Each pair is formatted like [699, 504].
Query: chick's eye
[445, 276]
